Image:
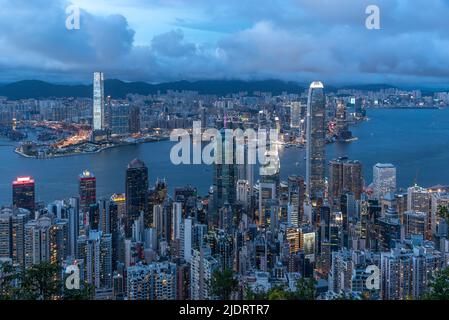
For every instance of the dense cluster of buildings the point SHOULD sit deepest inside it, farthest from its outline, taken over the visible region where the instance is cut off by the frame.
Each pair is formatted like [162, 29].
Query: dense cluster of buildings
[329, 225]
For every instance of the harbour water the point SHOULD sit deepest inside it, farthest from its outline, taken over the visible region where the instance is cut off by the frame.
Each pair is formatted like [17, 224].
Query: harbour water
[416, 141]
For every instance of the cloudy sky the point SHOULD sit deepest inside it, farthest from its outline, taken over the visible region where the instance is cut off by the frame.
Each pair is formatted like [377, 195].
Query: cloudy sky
[165, 40]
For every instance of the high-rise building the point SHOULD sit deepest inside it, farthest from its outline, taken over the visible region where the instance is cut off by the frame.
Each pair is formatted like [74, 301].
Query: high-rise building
[396, 274]
[415, 224]
[384, 179]
[59, 241]
[98, 102]
[225, 174]
[95, 249]
[134, 119]
[344, 176]
[136, 193]
[316, 141]
[119, 119]
[87, 192]
[156, 281]
[296, 197]
[23, 194]
[202, 267]
[37, 241]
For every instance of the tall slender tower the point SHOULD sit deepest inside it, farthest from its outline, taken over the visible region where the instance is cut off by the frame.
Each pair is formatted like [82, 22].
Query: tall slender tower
[316, 141]
[99, 105]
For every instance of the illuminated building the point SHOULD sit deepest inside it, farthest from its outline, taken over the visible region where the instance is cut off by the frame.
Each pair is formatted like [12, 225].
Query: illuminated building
[23, 194]
[95, 249]
[202, 267]
[119, 119]
[384, 179]
[59, 241]
[296, 196]
[136, 193]
[344, 176]
[415, 224]
[87, 191]
[37, 241]
[98, 102]
[156, 281]
[316, 141]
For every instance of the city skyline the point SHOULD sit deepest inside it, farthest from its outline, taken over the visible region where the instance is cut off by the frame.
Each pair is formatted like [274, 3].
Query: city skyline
[251, 151]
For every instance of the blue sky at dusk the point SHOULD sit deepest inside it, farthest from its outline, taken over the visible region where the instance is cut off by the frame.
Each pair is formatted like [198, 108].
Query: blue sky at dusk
[167, 40]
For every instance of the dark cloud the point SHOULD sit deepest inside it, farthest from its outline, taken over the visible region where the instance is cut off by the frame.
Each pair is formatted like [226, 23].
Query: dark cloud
[293, 40]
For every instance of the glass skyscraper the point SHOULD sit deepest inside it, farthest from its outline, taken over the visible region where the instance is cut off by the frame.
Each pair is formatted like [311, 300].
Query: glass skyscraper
[99, 106]
[316, 141]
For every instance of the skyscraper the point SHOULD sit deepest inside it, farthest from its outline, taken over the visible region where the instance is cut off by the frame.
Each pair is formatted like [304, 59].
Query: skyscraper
[23, 194]
[87, 190]
[345, 176]
[384, 179]
[99, 105]
[136, 192]
[316, 140]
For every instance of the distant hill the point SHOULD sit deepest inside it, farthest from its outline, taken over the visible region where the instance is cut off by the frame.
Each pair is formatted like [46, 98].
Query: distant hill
[119, 89]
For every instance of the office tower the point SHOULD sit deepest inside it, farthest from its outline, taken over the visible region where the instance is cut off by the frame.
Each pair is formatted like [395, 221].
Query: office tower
[119, 119]
[359, 109]
[267, 192]
[23, 194]
[292, 236]
[37, 241]
[307, 243]
[59, 241]
[224, 250]
[74, 222]
[295, 111]
[389, 230]
[396, 274]
[98, 103]
[186, 239]
[316, 141]
[296, 197]
[415, 224]
[225, 175]
[134, 119]
[419, 199]
[95, 250]
[344, 176]
[175, 234]
[87, 192]
[342, 125]
[202, 267]
[136, 193]
[243, 192]
[384, 179]
[156, 281]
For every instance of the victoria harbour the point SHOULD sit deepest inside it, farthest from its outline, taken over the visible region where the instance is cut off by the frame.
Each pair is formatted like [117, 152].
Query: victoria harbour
[416, 141]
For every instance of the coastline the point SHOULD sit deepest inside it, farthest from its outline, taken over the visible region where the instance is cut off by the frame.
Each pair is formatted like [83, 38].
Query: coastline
[72, 154]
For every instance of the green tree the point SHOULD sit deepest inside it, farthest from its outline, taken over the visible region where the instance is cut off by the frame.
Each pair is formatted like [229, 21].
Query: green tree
[8, 275]
[305, 289]
[41, 282]
[223, 284]
[439, 287]
[86, 292]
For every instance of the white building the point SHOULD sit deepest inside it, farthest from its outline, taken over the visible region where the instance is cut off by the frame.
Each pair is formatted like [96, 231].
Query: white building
[384, 179]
